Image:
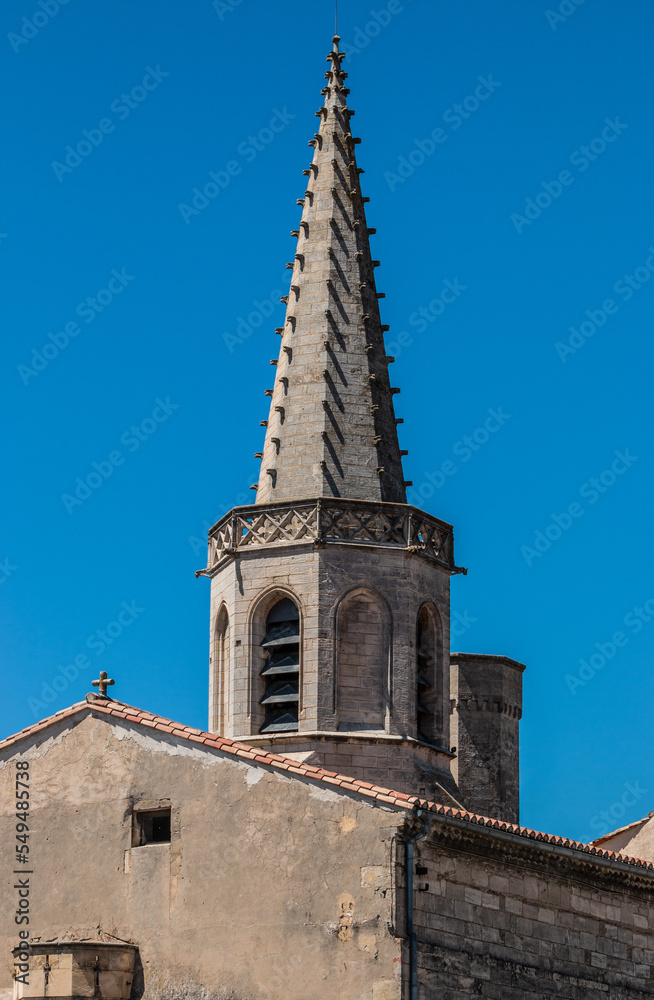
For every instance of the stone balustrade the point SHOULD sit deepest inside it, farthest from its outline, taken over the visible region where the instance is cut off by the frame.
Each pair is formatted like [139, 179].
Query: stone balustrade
[326, 521]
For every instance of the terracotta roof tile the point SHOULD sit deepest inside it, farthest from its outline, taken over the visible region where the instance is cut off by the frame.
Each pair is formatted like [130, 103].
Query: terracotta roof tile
[349, 784]
[392, 798]
[408, 803]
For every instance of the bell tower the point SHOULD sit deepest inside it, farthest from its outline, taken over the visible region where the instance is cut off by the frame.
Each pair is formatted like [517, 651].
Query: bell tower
[330, 595]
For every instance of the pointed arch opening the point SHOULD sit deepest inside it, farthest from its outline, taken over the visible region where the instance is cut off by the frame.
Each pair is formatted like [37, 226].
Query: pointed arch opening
[428, 676]
[281, 669]
[362, 663]
[221, 675]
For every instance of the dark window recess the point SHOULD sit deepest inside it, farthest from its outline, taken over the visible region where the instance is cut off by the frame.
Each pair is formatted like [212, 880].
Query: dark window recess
[151, 827]
[424, 675]
[281, 671]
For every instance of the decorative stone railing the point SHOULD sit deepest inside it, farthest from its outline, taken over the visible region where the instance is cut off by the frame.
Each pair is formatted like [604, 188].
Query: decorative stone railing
[330, 521]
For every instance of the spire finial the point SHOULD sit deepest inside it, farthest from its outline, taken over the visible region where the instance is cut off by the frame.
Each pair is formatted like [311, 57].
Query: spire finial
[336, 24]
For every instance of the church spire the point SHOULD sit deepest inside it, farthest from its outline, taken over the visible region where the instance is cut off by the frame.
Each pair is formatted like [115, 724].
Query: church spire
[332, 428]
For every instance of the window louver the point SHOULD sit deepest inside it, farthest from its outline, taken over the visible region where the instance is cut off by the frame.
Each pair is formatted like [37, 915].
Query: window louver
[281, 670]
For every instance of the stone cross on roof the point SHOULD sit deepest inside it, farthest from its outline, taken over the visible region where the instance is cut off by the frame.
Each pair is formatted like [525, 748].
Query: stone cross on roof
[103, 683]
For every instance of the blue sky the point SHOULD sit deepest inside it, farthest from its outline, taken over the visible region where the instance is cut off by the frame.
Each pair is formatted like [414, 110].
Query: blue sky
[124, 310]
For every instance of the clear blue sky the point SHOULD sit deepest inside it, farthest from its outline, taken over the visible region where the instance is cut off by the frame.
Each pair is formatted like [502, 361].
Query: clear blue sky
[152, 297]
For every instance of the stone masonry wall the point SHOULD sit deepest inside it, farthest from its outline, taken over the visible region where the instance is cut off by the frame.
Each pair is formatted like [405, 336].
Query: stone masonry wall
[486, 706]
[514, 928]
[321, 580]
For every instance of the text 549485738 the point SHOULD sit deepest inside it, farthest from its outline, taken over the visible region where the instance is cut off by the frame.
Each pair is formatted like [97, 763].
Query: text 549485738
[24, 870]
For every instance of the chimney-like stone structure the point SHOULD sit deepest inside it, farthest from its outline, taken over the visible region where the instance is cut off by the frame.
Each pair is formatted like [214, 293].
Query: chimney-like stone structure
[486, 708]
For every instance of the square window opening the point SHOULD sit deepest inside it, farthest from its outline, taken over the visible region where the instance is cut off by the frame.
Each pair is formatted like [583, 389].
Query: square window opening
[151, 827]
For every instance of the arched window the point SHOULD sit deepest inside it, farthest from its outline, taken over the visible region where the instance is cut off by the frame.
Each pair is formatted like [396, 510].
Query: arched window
[281, 671]
[220, 707]
[426, 679]
[362, 663]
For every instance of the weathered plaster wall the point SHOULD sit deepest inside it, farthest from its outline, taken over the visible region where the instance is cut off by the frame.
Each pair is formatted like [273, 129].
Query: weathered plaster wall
[282, 888]
[271, 887]
[636, 840]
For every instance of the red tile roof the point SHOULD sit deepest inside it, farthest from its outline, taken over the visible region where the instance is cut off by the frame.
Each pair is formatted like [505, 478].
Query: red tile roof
[410, 803]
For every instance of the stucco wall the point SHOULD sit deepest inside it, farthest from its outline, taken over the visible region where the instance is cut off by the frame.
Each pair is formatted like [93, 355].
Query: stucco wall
[271, 886]
[636, 840]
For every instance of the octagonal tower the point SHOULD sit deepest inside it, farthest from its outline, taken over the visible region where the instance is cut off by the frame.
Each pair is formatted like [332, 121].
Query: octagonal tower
[330, 595]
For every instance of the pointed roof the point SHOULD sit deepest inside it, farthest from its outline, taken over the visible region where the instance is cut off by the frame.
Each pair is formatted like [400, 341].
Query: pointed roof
[332, 428]
[446, 815]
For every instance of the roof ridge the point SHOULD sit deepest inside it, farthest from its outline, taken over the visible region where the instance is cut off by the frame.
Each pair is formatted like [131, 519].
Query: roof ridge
[411, 803]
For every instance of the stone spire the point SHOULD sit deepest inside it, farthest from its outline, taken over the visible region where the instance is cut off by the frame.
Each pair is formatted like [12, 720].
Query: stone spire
[332, 430]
